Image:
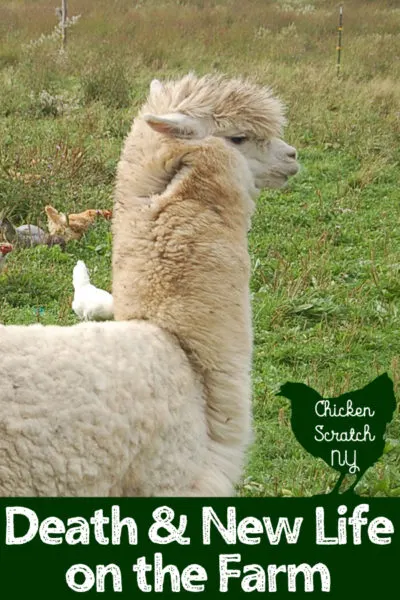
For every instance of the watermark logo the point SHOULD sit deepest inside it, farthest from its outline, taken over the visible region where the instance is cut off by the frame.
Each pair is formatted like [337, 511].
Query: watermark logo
[347, 432]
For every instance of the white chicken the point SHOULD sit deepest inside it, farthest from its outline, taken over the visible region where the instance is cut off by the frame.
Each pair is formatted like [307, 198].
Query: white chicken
[90, 303]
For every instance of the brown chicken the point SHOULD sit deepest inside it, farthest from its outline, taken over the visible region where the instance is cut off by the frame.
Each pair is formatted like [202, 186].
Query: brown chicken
[73, 226]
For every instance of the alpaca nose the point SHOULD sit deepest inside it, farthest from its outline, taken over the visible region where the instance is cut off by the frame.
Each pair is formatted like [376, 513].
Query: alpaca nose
[292, 153]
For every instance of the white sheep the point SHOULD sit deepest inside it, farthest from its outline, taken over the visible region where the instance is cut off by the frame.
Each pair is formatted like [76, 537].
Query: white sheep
[157, 402]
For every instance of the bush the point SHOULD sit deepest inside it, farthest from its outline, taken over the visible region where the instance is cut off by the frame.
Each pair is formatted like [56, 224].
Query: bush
[108, 84]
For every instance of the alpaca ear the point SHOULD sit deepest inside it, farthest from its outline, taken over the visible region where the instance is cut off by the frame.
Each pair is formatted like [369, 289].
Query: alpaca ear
[155, 86]
[176, 125]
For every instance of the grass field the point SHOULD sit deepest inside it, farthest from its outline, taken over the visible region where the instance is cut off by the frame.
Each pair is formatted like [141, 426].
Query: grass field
[325, 250]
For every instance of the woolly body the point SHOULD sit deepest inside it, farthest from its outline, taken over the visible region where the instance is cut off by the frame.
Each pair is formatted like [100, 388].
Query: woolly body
[97, 409]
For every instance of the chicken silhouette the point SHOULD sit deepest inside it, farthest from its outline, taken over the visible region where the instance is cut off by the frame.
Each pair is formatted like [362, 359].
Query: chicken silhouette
[347, 432]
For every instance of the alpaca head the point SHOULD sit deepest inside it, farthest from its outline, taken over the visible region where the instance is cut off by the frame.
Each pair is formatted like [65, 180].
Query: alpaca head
[247, 116]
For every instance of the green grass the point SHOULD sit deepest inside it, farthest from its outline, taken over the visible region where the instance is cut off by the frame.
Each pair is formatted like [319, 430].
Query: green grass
[325, 250]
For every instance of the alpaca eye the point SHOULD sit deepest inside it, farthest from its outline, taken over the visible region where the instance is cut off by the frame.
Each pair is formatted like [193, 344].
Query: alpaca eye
[238, 140]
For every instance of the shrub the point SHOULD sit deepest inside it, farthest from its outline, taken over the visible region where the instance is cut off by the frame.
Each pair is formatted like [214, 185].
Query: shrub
[108, 84]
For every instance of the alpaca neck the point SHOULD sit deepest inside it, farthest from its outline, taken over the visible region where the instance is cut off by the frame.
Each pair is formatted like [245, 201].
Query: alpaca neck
[143, 166]
[180, 261]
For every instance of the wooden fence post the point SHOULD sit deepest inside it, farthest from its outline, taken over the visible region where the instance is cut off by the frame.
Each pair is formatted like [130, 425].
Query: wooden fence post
[339, 44]
[64, 17]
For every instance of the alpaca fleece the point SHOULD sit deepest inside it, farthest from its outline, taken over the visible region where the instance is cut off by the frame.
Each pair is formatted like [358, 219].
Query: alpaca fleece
[97, 410]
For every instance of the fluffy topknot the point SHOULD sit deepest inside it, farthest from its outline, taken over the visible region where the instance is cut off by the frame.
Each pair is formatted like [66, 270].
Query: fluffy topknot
[230, 104]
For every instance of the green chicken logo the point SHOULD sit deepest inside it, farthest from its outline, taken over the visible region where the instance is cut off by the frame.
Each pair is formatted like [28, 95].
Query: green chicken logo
[347, 432]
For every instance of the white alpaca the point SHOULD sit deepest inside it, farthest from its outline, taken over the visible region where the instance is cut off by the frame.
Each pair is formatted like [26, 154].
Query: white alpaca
[158, 402]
